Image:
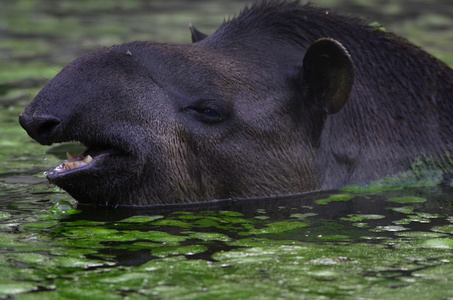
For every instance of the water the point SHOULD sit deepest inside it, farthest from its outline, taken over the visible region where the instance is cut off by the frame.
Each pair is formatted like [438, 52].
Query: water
[381, 244]
[387, 245]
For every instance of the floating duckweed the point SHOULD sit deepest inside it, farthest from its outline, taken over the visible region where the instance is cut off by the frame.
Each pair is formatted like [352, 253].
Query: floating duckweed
[230, 214]
[189, 217]
[302, 216]
[209, 236]
[276, 227]
[173, 223]
[408, 199]
[404, 209]
[377, 26]
[63, 207]
[412, 218]
[57, 189]
[324, 275]
[361, 225]
[322, 261]
[443, 229]
[389, 228]
[404, 221]
[419, 234]
[141, 219]
[445, 243]
[335, 198]
[45, 257]
[429, 216]
[4, 215]
[12, 287]
[334, 237]
[40, 225]
[360, 217]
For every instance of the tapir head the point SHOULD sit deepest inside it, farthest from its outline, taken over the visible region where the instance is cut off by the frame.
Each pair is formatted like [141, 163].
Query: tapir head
[186, 123]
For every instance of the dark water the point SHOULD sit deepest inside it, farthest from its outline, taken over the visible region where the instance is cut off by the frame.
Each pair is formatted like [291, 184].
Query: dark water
[380, 243]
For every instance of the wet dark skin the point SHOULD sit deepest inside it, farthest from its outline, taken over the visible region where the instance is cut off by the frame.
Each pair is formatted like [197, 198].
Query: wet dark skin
[282, 99]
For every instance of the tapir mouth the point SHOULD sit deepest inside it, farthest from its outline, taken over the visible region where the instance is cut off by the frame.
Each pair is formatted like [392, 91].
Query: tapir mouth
[99, 175]
[83, 161]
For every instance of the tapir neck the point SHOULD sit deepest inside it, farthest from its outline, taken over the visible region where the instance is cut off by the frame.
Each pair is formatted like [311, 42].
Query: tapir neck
[376, 135]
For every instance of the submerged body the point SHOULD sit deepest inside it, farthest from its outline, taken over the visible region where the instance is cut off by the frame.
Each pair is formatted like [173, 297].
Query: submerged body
[282, 99]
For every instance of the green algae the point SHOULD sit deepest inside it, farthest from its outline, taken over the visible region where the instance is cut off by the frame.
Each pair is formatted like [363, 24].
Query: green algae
[443, 243]
[362, 217]
[209, 236]
[403, 209]
[403, 252]
[335, 198]
[63, 208]
[408, 199]
[426, 171]
[377, 26]
[4, 215]
[265, 258]
[274, 228]
[443, 229]
[141, 219]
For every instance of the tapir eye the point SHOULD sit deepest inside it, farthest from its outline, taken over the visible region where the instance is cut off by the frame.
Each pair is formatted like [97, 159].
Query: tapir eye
[205, 113]
[210, 113]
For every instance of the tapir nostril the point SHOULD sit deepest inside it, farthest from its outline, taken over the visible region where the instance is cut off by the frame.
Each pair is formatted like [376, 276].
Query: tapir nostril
[42, 128]
[47, 126]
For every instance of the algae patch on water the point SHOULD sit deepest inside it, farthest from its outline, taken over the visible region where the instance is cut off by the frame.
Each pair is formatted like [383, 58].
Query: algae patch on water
[226, 254]
[335, 198]
[312, 250]
[408, 199]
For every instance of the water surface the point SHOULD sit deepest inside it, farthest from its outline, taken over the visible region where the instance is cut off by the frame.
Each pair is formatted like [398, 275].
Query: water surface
[375, 244]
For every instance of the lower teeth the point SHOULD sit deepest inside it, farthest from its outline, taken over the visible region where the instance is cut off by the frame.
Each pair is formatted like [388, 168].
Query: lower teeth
[69, 164]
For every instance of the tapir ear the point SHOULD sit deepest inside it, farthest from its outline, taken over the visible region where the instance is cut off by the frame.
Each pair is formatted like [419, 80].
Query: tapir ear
[328, 71]
[196, 35]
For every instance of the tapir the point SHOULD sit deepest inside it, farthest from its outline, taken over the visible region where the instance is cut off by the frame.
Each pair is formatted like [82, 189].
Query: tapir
[282, 99]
